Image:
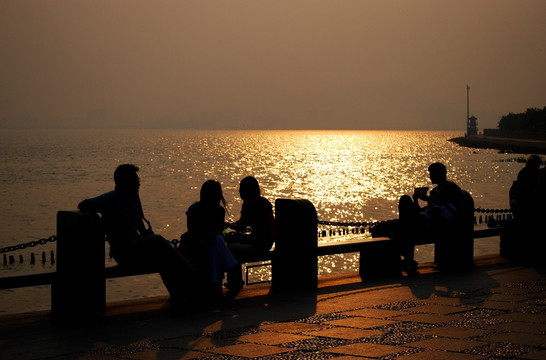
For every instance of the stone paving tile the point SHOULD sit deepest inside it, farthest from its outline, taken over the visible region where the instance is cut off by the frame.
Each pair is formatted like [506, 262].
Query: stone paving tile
[440, 309]
[518, 326]
[375, 313]
[345, 333]
[360, 322]
[400, 305]
[501, 305]
[512, 290]
[478, 318]
[453, 301]
[321, 318]
[525, 317]
[367, 350]
[250, 350]
[317, 343]
[291, 327]
[501, 350]
[501, 297]
[168, 354]
[519, 338]
[201, 343]
[537, 298]
[428, 318]
[532, 309]
[454, 332]
[535, 355]
[440, 355]
[440, 343]
[272, 338]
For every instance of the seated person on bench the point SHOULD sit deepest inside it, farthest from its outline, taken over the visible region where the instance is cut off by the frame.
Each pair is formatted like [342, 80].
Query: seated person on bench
[438, 216]
[204, 244]
[256, 215]
[132, 244]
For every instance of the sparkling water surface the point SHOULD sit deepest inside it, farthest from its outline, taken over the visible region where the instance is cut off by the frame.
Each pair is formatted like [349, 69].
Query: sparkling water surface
[350, 176]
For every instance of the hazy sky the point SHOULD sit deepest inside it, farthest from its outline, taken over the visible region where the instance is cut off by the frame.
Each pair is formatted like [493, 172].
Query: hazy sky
[337, 64]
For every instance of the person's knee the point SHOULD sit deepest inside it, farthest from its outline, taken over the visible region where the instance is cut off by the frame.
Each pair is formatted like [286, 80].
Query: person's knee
[405, 201]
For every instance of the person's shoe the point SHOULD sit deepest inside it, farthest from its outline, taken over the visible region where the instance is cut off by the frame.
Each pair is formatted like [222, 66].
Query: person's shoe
[234, 284]
[409, 265]
[233, 289]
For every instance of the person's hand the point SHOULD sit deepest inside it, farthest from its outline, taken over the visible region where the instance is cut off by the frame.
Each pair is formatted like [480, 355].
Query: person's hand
[420, 193]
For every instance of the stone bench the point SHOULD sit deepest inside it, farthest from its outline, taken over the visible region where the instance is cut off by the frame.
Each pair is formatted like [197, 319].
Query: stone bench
[79, 284]
[80, 281]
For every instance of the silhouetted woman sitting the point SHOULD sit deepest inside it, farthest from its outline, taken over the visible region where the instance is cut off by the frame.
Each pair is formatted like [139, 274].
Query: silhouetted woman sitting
[204, 244]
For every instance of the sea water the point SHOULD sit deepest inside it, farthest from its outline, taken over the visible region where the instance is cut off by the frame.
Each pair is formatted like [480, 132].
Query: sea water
[349, 176]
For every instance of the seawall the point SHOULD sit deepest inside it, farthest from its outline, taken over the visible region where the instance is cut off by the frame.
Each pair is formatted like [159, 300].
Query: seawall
[520, 146]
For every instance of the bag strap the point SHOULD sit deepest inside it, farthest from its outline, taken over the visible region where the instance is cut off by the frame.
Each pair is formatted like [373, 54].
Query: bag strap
[142, 215]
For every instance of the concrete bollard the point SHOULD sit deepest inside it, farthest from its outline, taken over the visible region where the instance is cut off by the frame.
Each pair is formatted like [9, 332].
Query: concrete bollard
[79, 288]
[294, 265]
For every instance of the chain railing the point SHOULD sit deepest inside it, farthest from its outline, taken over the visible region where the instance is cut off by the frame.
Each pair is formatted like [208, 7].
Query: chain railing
[344, 228]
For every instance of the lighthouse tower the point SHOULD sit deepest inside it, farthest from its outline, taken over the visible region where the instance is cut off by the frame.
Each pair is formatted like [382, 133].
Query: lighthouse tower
[471, 122]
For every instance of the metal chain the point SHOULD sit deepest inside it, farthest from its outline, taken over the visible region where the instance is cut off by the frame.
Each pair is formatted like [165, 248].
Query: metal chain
[355, 224]
[44, 241]
[495, 211]
[175, 242]
[373, 223]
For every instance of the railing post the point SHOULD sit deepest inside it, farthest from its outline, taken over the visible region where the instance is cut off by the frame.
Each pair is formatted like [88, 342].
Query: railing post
[79, 287]
[294, 265]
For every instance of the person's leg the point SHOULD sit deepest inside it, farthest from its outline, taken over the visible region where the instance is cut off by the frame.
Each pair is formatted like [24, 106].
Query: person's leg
[222, 261]
[241, 252]
[407, 224]
[155, 252]
[407, 228]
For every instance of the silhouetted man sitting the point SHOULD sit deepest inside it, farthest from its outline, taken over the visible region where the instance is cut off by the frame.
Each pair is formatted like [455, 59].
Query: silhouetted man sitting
[131, 243]
[439, 216]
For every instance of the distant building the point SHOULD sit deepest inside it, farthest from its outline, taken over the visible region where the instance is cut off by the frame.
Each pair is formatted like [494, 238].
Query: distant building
[472, 126]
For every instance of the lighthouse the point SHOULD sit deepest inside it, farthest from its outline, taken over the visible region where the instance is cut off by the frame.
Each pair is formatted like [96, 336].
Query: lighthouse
[471, 122]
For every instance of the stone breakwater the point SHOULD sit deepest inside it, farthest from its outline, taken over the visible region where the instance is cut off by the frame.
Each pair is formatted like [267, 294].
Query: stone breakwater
[520, 146]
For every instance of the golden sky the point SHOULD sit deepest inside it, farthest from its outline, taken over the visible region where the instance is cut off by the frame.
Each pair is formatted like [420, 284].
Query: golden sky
[269, 64]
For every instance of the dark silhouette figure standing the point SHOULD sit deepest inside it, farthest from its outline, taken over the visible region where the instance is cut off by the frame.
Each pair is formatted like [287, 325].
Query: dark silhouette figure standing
[131, 243]
[522, 237]
[439, 215]
[524, 190]
[255, 230]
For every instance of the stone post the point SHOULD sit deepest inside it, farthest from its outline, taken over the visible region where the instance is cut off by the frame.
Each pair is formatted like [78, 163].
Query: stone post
[79, 287]
[294, 265]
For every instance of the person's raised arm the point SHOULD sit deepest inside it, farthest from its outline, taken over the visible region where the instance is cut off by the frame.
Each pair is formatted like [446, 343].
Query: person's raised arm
[87, 206]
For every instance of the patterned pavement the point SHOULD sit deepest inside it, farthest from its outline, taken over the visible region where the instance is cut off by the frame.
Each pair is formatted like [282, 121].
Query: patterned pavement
[496, 311]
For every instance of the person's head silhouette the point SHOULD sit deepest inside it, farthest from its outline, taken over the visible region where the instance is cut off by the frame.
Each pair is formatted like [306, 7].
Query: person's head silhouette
[126, 179]
[533, 162]
[438, 173]
[249, 188]
[211, 193]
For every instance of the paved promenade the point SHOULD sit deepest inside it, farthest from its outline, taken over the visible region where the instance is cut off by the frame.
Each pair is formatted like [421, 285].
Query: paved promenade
[496, 311]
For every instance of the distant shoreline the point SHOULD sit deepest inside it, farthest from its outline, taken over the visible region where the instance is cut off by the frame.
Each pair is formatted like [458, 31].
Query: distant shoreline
[518, 146]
